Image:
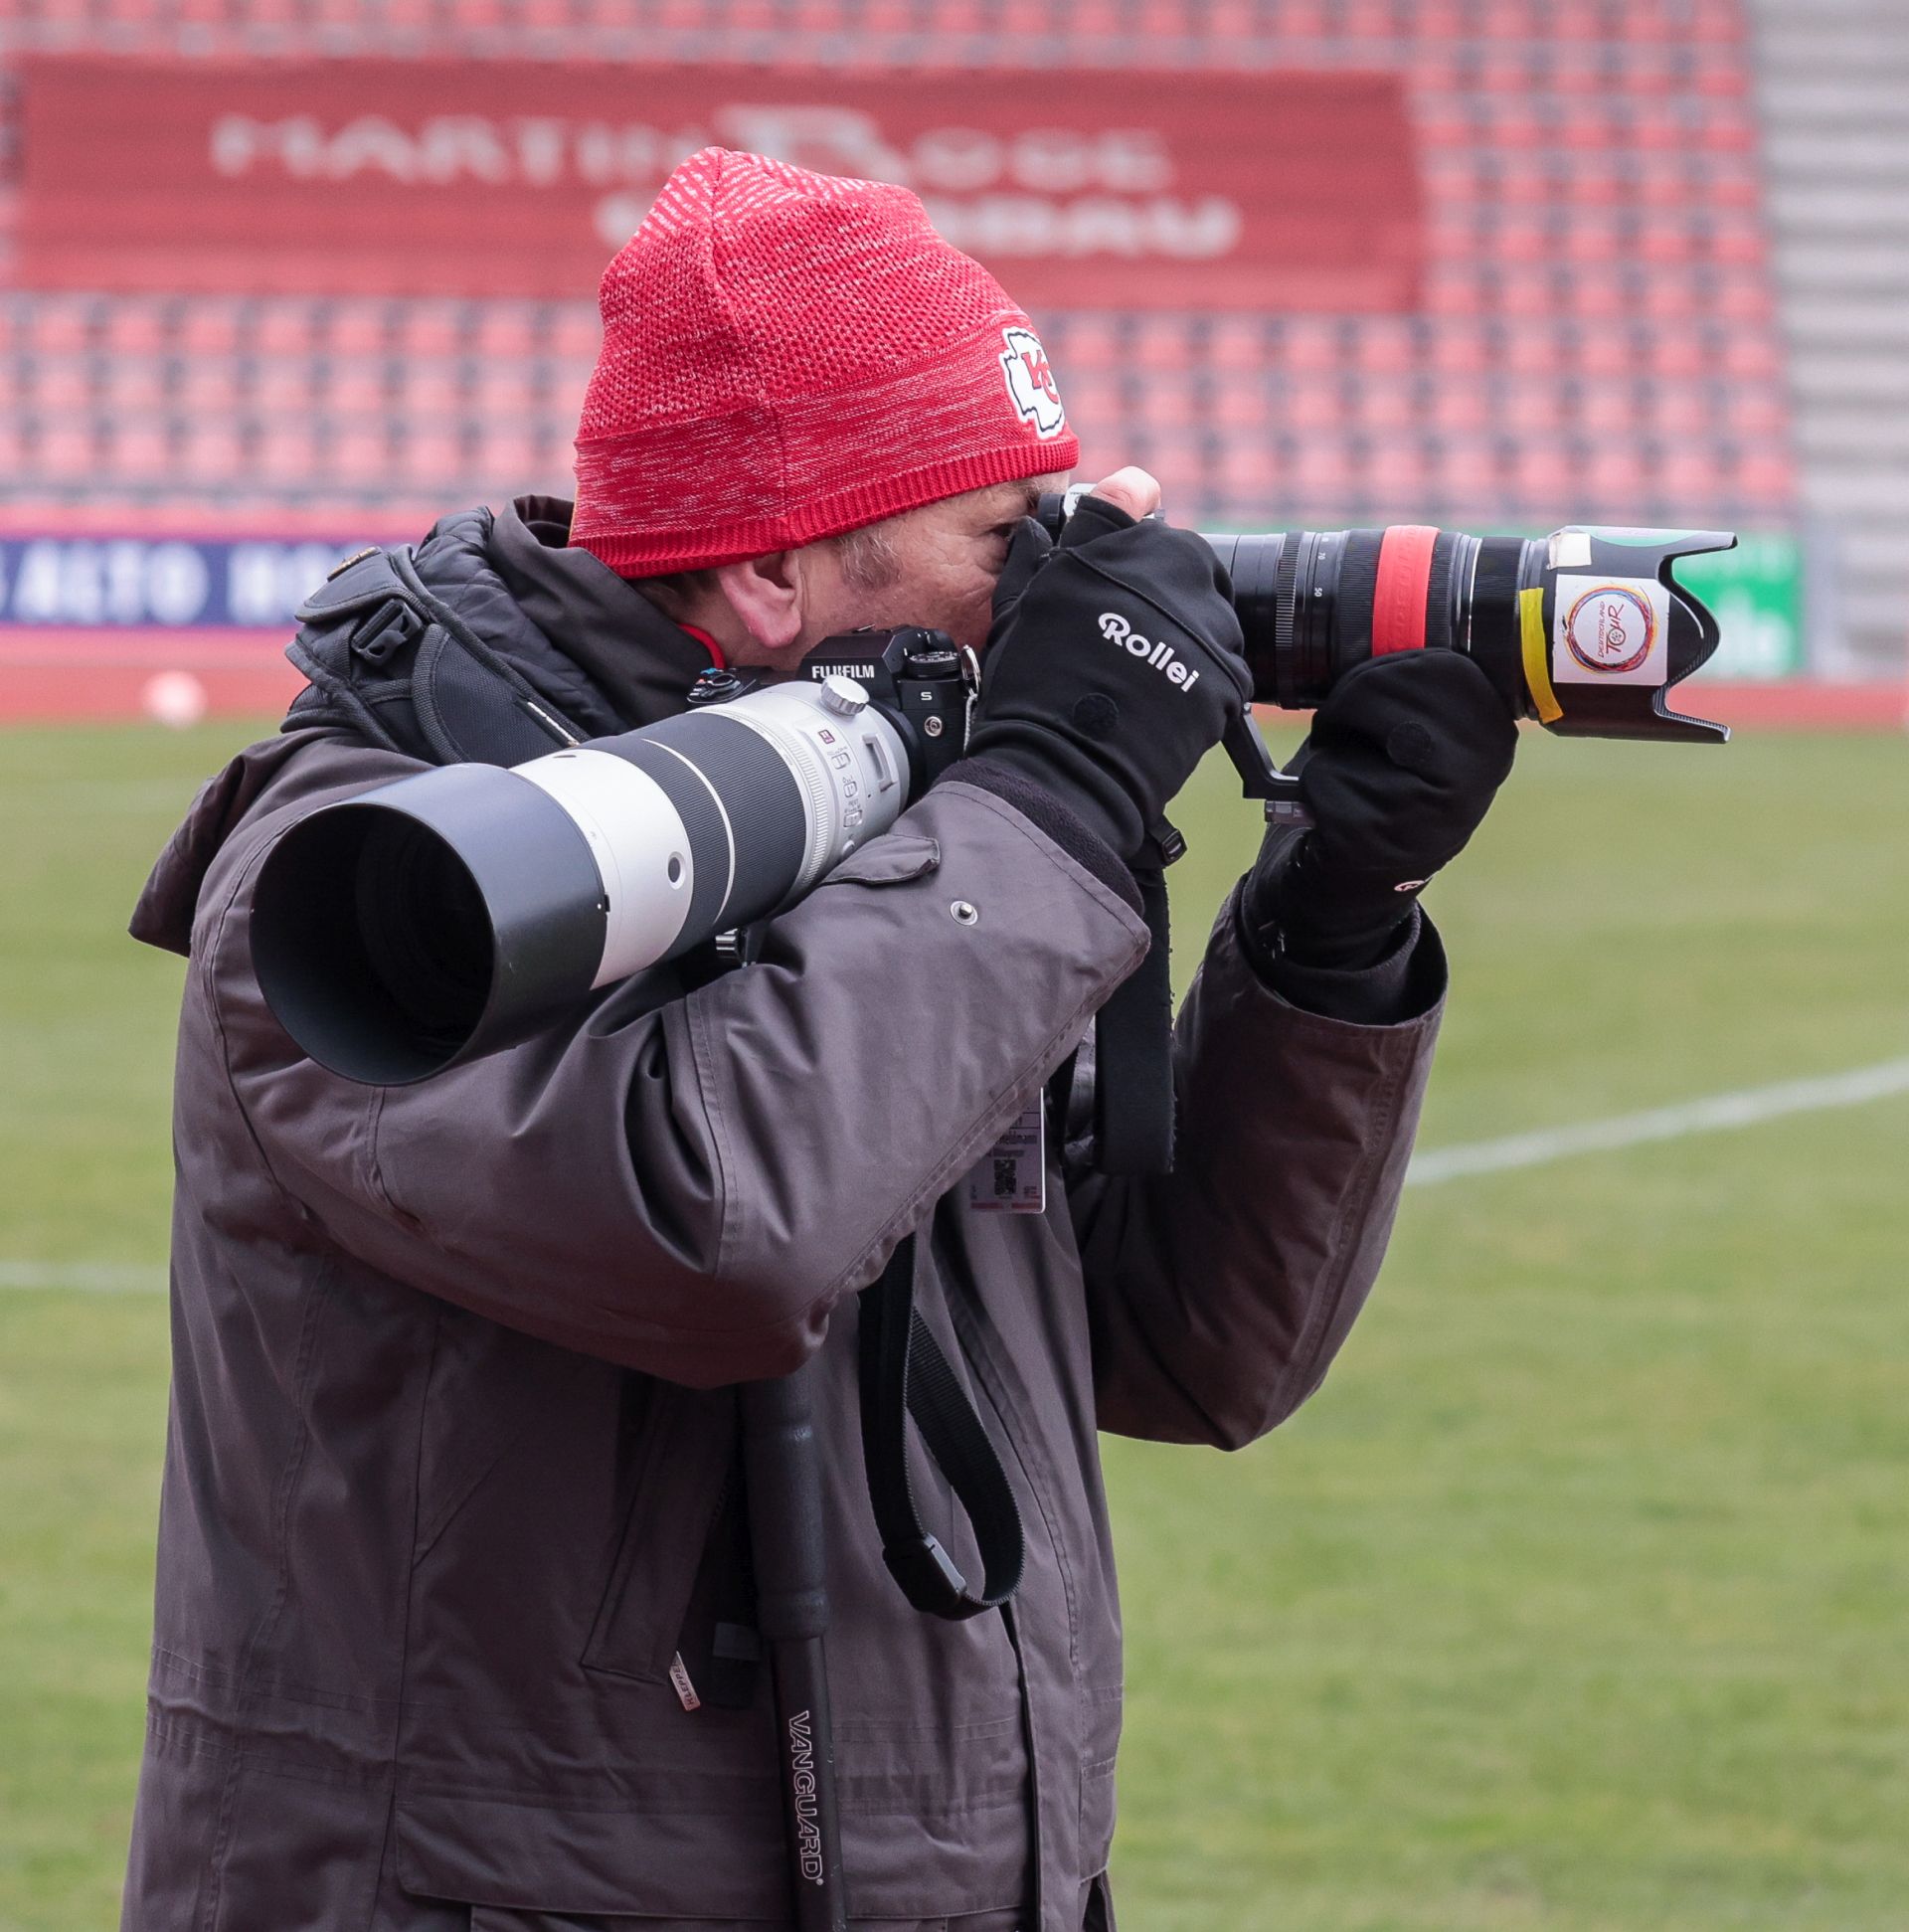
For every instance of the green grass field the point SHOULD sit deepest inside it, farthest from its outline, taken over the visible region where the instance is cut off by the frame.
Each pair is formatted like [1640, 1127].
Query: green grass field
[1578, 1599]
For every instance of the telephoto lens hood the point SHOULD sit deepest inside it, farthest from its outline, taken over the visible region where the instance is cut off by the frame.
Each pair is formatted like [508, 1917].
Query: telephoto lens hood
[454, 912]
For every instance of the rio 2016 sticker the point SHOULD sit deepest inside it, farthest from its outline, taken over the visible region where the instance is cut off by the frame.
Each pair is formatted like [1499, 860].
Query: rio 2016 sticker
[1610, 630]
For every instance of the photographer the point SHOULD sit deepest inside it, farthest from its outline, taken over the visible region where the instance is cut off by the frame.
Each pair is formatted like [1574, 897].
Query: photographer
[455, 1621]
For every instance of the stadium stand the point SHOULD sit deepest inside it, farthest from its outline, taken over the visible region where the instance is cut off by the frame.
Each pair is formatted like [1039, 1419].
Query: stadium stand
[1597, 335]
[1833, 102]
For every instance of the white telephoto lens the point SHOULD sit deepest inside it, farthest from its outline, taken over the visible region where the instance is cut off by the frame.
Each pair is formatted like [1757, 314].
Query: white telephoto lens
[847, 759]
[642, 852]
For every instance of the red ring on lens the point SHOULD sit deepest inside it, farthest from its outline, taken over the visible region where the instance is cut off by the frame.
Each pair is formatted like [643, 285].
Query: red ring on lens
[1398, 596]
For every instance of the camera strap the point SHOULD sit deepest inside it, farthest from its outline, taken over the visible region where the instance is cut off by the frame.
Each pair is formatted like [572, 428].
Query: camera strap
[1134, 1040]
[904, 1375]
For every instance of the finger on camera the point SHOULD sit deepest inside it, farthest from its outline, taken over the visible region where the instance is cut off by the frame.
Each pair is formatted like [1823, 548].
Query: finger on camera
[1132, 489]
[1027, 550]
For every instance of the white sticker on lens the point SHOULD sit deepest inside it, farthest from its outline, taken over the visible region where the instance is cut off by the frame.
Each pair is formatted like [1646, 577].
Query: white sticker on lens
[1610, 630]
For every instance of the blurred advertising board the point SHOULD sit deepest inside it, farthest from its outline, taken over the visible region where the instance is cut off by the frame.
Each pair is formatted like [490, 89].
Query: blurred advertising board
[93, 582]
[1285, 189]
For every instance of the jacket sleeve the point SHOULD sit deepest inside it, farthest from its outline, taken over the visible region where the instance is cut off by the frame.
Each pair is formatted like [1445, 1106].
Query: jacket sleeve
[686, 1184]
[1219, 1294]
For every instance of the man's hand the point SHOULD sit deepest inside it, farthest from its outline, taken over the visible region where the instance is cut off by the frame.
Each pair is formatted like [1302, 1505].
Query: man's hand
[1404, 759]
[1113, 665]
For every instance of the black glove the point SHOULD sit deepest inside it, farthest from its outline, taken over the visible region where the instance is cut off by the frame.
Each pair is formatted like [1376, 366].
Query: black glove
[1113, 669]
[1404, 759]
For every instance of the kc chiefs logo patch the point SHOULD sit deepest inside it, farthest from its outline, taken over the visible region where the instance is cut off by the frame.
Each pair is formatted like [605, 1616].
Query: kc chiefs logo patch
[1030, 383]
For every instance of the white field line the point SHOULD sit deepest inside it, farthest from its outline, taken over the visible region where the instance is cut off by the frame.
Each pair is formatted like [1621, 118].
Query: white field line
[87, 1277]
[1748, 1108]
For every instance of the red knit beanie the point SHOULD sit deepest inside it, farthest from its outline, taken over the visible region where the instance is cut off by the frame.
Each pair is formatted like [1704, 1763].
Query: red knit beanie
[789, 355]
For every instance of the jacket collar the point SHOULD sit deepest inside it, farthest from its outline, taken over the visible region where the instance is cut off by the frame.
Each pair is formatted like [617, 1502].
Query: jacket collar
[643, 663]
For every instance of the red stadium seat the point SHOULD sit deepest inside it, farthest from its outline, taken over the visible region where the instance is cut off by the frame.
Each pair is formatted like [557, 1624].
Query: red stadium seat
[1597, 294]
[357, 328]
[1750, 353]
[429, 456]
[1237, 343]
[131, 383]
[1542, 472]
[1163, 343]
[142, 449]
[1307, 346]
[355, 385]
[1382, 345]
[1607, 350]
[359, 452]
[508, 453]
[504, 332]
[286, 384]
[1457, 290]
[1678, 353]
[1755, 411]
[428, 328]
[1613, 480]
[1248, 471]
[207, 326]
[1458, 406]
[67, 450]
[1459, 348]
[1607, 409]
[1093, 398]
[1320, 470]
[1532, 348]
[1690, 475]
[61, 383]
[135, 328]
[210, 452]
[1164, 403]
[433, 388]
[1314, 406]
[1383, 403]
[1397, 474]
[62, 324]
[1465, 469]
[1767, 478]
[576, 332]
[287, 453]
[207, 385]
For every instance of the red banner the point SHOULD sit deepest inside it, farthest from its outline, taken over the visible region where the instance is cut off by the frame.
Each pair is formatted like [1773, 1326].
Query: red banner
[1282, 190]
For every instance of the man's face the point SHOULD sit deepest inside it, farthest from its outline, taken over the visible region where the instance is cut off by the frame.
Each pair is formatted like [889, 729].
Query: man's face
[936, 567]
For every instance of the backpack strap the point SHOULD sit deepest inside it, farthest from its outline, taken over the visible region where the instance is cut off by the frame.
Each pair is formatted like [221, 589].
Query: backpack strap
[401, 667]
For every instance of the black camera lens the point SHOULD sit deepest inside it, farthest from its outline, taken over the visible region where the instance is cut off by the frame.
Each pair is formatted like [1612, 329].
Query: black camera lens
[1584, 630]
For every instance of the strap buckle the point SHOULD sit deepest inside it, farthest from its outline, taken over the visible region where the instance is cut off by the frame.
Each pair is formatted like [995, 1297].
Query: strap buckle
[926, 1574]
[387, 631]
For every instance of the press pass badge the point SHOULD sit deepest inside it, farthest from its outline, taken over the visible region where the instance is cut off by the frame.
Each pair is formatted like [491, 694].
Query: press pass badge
[1012, 1179]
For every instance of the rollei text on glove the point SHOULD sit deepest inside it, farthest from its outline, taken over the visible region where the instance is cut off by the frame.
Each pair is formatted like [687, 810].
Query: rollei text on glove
[1163, 658]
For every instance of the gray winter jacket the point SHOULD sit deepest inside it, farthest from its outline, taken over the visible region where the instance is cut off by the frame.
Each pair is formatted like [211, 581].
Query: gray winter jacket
[449, 1475]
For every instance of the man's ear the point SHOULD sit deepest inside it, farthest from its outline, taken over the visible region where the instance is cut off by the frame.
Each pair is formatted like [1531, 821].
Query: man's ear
[765, 594]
